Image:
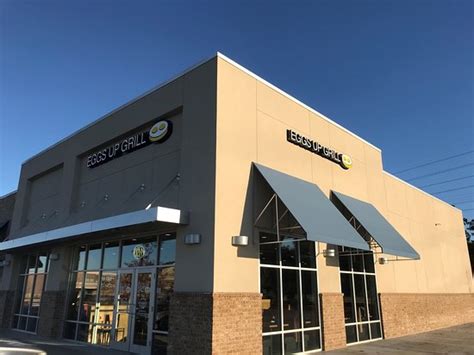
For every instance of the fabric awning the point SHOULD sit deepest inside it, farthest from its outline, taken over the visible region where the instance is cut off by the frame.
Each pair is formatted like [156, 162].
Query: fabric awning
[378, 227]
[312, 209]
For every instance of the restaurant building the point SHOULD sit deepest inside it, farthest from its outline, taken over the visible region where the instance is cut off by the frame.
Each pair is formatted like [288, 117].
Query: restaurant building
[218, 214]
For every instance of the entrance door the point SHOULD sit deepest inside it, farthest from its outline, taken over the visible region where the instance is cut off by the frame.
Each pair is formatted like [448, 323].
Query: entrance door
[133, 311]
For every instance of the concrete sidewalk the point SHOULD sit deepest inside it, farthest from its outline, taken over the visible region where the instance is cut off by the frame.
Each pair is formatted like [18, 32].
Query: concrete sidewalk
[14, 339]
[453, 340]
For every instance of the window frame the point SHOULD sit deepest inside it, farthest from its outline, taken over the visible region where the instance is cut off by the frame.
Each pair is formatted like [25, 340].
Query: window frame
[280, 267]
[23, 277]
[364, 273]
[74, 270]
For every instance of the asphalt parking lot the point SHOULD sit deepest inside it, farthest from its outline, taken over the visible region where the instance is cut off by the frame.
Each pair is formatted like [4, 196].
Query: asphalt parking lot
[453, 340]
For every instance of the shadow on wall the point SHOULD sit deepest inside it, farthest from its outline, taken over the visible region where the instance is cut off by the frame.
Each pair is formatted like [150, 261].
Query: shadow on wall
[247, 223]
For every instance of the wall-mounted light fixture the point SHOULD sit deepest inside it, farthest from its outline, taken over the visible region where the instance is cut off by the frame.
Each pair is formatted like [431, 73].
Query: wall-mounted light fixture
[193, 238]
[329, 253]
[54, 256]
[383, 261]
[4, 263]
[240, 240]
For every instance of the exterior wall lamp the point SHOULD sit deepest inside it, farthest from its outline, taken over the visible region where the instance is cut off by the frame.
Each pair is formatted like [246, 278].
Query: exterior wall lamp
[192, 239]
[54, 256]
[4, 263]
[383, 261]
[240, 241]
[329, 253]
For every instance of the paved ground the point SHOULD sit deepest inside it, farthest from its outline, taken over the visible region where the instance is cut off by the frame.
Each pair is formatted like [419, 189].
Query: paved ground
[19, 340]
[454, 340]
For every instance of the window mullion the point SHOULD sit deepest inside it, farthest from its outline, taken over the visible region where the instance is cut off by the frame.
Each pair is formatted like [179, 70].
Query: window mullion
[301, 295]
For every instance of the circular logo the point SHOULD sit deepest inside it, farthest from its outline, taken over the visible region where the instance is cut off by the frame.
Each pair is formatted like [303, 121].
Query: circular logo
[159, 131]
[346, 161]
[139, 252]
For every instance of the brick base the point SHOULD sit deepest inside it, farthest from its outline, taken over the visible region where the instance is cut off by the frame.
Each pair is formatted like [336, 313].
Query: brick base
[237, 323]
[405, 314]
[7, 299]
[219, 323]
[190, 323]
[52, 314]
[332, 317]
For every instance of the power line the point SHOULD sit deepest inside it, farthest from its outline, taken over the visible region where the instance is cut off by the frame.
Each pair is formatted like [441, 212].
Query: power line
[446, 181]
[458, 188]
[434, 161]
[441, 171]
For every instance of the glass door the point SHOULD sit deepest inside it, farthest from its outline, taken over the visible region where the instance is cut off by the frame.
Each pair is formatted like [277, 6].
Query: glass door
[123, 310]
[133, 311]
[144, 300]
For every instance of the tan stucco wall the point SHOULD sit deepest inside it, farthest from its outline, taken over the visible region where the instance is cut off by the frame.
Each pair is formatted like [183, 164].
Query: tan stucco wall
[252, 118]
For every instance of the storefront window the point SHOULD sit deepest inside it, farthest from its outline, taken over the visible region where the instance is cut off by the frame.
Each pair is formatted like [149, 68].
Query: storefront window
[30, 290]
[290, 306]
[110, 284]
[361, 309]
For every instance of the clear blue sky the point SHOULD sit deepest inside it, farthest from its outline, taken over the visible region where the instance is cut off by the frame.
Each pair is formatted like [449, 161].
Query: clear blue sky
[398, 73]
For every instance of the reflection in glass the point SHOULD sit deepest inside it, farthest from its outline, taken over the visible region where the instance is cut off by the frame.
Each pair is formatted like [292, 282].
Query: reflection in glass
[351, 335]
[375, 330]
[74, 298]
[307, 254]
[167, 249]
[94, 257]
[81, 261]
[357, 261]
[363, 331]
[160, 344]
[142, 253]
[108, 280]
[42, 263]
[69, 330]
[111, 255]
[310, 299]
[31, 325]
[269, 287]
[291, 304]
[312, 340]
[27, 294]
[361, 306]
[344, 260]
[369, 262]
[292, 343]
[346, 288]
[22, 323]
[289, 253]
[124, 301]
[31, 264]
[269, 254]
[142, 308]
[83, 332]
[37, 292]
[372, 297]
[89, 297]
[272, 345]
[164, 290]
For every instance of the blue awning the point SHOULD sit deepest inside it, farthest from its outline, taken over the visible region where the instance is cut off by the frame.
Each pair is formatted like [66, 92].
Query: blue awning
[378, 227]
[319, 218]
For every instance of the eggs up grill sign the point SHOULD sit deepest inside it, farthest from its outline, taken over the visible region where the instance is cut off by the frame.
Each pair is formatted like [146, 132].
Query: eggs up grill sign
[158, 133]
[343, 160]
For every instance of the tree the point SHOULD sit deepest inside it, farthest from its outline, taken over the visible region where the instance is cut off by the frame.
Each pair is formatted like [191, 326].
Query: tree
[469, 229]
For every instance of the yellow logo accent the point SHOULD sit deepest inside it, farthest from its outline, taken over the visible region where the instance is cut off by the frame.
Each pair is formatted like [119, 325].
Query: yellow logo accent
[158, 131]
[346, 161]
[139, 252]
